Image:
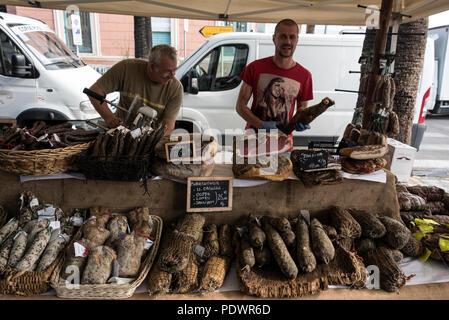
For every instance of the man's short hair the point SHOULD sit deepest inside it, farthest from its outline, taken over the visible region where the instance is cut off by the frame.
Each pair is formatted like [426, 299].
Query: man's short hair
[161, 50]
[286, 22]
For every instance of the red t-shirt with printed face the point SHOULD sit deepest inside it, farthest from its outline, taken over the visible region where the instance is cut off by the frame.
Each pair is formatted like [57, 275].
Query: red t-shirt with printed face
[276, 90]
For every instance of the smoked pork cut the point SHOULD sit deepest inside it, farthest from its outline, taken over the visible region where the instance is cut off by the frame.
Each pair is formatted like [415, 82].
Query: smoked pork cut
[262, 144]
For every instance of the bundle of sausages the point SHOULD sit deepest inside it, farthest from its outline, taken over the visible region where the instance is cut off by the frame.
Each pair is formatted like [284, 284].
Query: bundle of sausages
[121, 142]
[44, 136]
[32, 242]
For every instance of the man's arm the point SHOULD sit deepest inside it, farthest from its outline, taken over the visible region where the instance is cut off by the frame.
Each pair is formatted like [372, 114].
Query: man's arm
[103, 109]
[302, 105]
[169, 126]
[242, 106]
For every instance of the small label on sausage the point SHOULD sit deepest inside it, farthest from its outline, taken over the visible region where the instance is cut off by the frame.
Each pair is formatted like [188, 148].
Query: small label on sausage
[55, 225]
[76, 221]
[80, 250]
[34, 203]
[47, 211]
[148, 244]
[136, 133]
[199, 250]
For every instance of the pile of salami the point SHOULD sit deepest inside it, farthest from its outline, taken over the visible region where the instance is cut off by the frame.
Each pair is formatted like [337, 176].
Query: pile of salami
[123, 143]
[45, 136]
[111, 249]
[310, 248]
[180, 163]
[33, 239]
[365, 151]
[323, 176]
[425, 210]
[193, 257]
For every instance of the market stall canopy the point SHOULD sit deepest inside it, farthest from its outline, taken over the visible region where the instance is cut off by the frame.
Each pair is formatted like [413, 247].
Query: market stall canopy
[336, 12]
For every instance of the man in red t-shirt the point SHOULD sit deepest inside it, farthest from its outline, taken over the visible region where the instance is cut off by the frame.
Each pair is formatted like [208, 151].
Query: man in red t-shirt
[275, 83]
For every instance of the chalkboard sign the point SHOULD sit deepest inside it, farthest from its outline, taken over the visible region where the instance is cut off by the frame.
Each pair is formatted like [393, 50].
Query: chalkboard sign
[209, 194]
[180, 151]
[309, 160]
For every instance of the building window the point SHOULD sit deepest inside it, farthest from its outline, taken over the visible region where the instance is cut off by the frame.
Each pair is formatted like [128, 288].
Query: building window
[161, 38]
[86, 47]
[238, 26]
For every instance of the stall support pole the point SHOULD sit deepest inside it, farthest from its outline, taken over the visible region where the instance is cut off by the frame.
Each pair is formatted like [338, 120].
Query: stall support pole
[394, 30]
[380, 44]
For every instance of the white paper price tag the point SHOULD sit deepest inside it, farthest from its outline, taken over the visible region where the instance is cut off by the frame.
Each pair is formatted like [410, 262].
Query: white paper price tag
[79, 249]
[22, 200]
[55, 225]
[148, 244]
[48, 211]
[199, 250]
[76, 221]
[34, 203]
[136, 133]
[118, 280]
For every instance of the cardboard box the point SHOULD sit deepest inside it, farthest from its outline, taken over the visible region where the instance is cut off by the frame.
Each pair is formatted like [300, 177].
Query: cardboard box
[400, 158]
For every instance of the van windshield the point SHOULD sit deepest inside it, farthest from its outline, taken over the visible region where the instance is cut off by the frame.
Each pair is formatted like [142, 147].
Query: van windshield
[192, 54]
[47, 47]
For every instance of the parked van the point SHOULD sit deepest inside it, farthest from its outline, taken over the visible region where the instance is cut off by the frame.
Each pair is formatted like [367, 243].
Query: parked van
[40, 78]
[426, 95]
[211, 82]
[440, 35]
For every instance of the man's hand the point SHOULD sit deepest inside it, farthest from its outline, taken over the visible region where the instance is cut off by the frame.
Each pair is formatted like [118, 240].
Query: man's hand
[270, 125]
[113, 122]
[301, 127]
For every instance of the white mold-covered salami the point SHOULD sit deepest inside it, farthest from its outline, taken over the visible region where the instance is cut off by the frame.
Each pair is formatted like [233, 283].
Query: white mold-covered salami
[35, 250]
[34, 227]
[130, 249]
[52, 250]
[96, 235]
[73, 263]
[99, 265]
[5, 249]
[18, 248]
[118, 226]
[8, 228]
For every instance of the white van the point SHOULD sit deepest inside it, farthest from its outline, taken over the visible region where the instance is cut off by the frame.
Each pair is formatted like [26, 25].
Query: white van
[211, 82]
[425, 99]
[40, 78]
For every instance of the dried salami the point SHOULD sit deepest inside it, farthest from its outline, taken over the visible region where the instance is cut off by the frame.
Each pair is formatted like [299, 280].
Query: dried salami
[18, 248]
[130, 249]
[51, 252]
[35, 250]
[99, 265]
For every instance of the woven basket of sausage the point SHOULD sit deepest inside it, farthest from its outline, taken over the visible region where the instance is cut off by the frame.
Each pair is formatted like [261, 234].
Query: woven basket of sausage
[269, 282]
[108, 290]
[28, 283]
[41, 162]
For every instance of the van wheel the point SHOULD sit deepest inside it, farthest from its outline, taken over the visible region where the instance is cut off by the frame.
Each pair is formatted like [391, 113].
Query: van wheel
[187, 125]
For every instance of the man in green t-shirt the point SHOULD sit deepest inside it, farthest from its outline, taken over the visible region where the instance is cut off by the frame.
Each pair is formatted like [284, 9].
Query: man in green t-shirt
[152, 81]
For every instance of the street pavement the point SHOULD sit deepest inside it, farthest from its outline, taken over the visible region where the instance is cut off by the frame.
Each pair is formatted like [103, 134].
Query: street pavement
[431, 165]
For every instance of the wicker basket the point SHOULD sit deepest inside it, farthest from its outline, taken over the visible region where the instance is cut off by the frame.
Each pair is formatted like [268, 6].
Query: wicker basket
[110, 291]
[41, 162]
[121, 168]
[27, 283]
